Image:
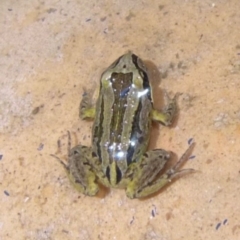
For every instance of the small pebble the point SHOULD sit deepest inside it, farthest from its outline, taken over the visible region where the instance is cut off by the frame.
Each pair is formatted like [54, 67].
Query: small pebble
[41, 145]
[35, 110]
[225, 221]
[6, 193]
[153, 213]
[190, 141]
[218, 226]
[131, 222]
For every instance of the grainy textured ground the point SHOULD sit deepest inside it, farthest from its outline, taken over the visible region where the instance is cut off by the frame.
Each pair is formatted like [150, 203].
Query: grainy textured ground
[52, 50]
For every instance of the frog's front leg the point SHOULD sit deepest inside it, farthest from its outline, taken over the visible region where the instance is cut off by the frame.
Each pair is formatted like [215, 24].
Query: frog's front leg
[79, 168]
[144, 181]
[86, 108]
[166, 116]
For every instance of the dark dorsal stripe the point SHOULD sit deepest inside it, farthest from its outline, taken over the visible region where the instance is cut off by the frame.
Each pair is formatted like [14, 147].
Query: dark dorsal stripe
[98, 131]
[143, 73]
[118, 177]
[108, 173]
[119, 174]
[135, 133]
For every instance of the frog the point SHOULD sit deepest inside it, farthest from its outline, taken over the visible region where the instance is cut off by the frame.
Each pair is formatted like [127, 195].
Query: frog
[123, 115]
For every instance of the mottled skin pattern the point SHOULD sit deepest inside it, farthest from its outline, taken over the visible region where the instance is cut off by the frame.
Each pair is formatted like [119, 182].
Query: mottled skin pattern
[122, 117]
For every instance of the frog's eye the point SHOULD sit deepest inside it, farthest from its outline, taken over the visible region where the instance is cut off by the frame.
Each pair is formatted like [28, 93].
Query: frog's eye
[138, 63]
[75, 152]
[141, 65]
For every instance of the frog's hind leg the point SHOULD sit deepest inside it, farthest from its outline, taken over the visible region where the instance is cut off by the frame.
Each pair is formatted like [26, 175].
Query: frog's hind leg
[144, 179]
[79, 169]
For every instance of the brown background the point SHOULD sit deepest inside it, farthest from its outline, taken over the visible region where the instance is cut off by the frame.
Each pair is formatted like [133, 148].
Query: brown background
[52, 50]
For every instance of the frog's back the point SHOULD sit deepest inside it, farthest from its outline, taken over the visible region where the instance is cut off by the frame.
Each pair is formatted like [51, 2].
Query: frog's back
[122, 123]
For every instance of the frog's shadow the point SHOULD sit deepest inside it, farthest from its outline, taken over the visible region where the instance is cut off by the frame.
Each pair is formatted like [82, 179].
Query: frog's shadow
[158, 102]
[155, 78]
[103, 191]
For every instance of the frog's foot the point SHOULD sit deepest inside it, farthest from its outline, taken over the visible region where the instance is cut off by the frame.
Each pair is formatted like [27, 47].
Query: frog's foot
[86, 109]
[166, 116]
[79, 168]
[174, 171]
[145, 182]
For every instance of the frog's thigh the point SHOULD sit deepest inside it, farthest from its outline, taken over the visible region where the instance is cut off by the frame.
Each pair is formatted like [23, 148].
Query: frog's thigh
[144, 173]
[86, 110]
[167, 115]
[80, 172]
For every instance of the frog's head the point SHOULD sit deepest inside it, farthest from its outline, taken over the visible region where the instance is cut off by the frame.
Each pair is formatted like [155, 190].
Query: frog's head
[127, 70]
[127, 63]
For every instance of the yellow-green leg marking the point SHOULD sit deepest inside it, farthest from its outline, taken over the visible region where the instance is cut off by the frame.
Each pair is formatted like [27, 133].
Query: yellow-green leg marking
[86, 109]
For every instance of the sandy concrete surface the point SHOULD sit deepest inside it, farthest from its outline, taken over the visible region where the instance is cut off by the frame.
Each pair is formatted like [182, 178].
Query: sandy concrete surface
[52, 50]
